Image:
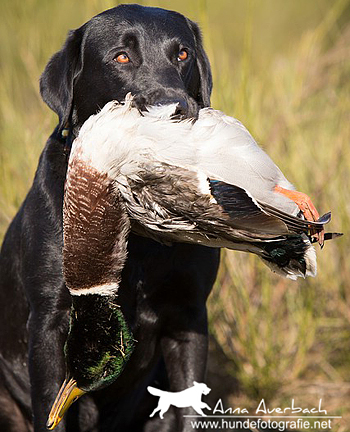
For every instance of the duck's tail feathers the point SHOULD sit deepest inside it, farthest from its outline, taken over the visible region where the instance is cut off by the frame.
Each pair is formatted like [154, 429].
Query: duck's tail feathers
[294, 257]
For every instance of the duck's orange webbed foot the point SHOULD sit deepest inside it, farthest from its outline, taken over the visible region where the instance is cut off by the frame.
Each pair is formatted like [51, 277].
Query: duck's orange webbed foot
[305, 204]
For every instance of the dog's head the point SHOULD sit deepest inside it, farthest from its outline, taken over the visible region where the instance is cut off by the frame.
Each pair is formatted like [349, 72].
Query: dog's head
[155, 54]
[202, 388]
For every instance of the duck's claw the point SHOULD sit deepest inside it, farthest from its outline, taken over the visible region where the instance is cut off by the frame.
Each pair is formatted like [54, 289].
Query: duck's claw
[309, 211]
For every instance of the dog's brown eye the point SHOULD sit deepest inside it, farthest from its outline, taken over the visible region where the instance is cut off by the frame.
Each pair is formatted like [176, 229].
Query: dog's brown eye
[122, 58]
[183, 54]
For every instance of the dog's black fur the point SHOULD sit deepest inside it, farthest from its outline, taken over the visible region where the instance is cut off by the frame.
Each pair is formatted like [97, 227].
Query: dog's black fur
[164, 289]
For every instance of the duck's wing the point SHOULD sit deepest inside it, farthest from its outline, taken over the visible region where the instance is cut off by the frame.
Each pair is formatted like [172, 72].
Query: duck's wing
[223, 148]
[174, 204]
[183, 204]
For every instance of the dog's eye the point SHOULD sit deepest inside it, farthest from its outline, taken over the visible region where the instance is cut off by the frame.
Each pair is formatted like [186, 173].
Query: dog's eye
[182, 55]
[122, 58]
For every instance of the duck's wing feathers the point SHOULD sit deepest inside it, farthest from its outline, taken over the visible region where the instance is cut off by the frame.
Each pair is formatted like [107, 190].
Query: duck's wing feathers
[184, 205]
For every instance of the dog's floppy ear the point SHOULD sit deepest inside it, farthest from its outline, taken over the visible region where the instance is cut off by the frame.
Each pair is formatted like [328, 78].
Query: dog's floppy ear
[203, 65]
[57, 80]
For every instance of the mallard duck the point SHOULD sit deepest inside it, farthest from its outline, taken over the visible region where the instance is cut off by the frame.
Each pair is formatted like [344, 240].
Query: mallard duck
[205, 181]
[201, 182]
[96, 227]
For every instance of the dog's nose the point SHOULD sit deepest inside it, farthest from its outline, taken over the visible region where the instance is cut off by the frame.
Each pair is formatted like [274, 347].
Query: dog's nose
[139, 102]
[181, 107]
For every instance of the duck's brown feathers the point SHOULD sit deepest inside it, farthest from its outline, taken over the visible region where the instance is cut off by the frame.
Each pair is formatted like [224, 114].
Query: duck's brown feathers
[95, 228]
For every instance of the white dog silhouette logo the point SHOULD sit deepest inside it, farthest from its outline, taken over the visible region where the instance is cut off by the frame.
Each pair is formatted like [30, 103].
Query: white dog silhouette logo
[190, 397]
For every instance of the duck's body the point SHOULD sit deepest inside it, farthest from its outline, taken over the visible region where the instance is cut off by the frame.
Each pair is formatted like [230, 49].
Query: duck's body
[193, 182]
[215, 145]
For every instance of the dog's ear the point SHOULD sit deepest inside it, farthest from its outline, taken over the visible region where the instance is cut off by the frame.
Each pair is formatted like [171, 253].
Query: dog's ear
[57, 80]
[203, 65]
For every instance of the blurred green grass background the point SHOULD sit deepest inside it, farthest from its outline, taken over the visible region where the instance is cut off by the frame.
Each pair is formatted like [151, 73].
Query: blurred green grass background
[283, 69]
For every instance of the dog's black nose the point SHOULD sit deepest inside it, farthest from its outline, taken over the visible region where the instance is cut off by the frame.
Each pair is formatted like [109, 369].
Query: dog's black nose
[181, 108]
[139, 102]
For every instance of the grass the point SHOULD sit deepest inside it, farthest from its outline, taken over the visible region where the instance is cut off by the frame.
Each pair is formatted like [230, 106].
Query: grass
[283, 69]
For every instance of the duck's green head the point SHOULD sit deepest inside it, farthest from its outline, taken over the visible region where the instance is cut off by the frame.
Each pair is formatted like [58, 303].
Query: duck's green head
[98, 347]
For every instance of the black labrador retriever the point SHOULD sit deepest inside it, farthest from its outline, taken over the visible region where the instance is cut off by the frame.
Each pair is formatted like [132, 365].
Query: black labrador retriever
[157, 55]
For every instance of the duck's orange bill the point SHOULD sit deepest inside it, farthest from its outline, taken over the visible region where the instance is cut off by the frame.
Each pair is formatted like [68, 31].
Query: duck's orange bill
[69, 393]
[305, 204]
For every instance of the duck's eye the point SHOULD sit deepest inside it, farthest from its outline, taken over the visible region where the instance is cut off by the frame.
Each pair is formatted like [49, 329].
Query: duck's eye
[122, 58]
[182, 55]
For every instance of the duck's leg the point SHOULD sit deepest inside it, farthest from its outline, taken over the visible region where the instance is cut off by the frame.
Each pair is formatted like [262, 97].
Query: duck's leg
[305, 204]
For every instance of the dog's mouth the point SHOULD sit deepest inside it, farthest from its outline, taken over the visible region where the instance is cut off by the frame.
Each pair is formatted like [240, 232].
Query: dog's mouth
[176, 108]
[68, 394]
[164, 112]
